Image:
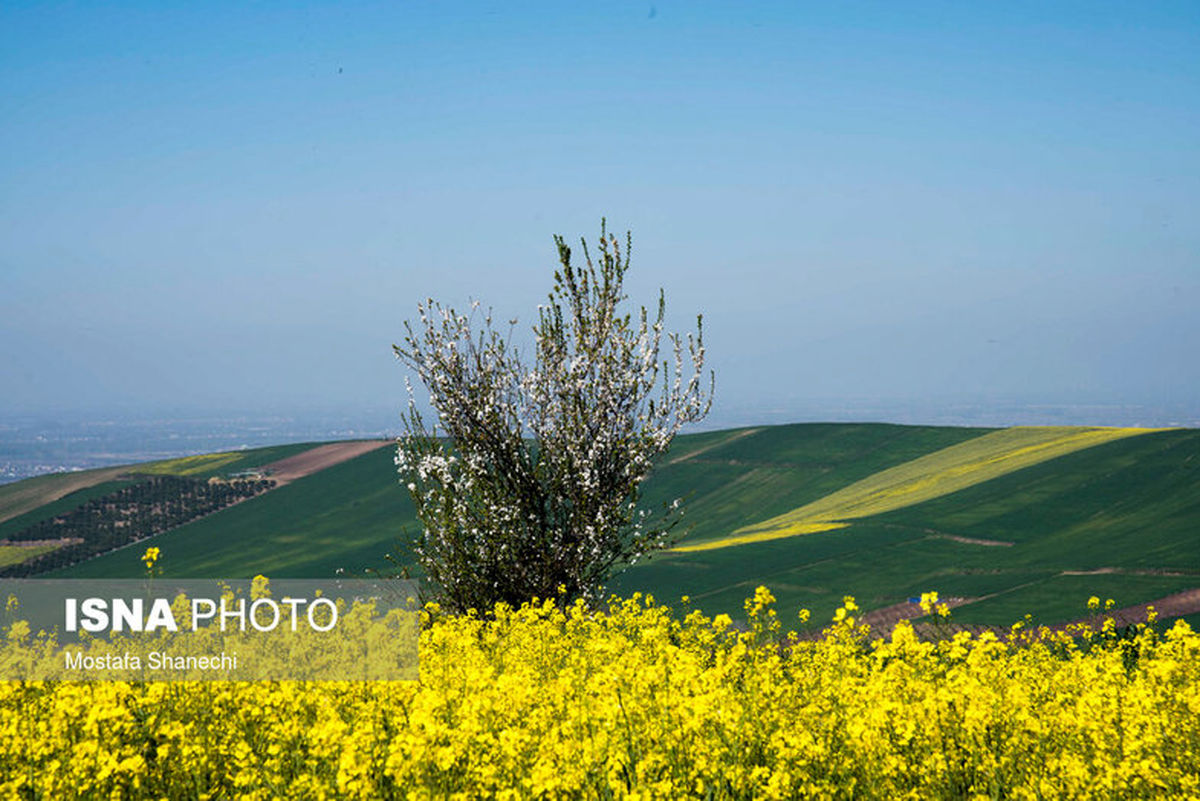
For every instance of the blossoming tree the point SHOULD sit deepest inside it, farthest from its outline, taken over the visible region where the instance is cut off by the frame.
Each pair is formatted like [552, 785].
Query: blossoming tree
[528, 483]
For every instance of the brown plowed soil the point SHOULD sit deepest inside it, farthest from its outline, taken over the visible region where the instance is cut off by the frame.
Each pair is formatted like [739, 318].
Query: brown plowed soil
[1181, 603]
[884, 620]
[61, 541]
[319, 458]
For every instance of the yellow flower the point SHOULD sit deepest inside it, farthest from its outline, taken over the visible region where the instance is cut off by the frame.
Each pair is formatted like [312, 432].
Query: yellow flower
[928, 602]
[260, 587]
[635, 701]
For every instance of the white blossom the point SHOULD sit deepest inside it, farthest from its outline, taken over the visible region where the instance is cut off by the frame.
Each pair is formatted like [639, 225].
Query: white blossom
[536, 480]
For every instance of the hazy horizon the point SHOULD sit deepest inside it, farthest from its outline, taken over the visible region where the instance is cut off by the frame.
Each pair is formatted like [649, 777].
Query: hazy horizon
[922, 213]
[40, 442]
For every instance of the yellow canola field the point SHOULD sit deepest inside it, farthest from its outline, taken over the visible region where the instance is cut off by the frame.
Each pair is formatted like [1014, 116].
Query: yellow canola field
[634, 702]
[190, 465]
[14, 554]
[930, 476]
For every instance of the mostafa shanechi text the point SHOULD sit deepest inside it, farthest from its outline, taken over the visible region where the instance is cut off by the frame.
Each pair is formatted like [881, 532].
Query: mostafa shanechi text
[154, 660]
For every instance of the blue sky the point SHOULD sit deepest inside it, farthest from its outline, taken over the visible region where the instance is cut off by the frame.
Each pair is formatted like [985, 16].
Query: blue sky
[232, 206]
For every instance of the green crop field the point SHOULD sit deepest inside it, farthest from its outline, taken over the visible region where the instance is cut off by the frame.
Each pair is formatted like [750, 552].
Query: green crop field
[1131, 504]
[935, 474]
[1007, 519]
[735, 479]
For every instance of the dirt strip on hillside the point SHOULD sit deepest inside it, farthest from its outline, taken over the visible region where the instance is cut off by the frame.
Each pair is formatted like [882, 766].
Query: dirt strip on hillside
[1175, 605]
[717, 444]
[320, 458]
[974, 540]
[883, 621]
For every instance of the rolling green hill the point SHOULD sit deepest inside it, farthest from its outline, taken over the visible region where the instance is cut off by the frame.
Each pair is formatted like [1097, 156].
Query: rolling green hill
[1129, 508]
[933, 475]
[1105, 512]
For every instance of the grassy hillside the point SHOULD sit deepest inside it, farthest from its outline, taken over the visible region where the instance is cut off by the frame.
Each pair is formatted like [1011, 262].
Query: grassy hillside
[1125, 511]
[933, 475]
[739, 478]
[1129, 507]
[350, 515]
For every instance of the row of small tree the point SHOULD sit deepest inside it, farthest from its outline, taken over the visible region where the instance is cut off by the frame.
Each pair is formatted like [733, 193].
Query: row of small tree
[147, 507]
